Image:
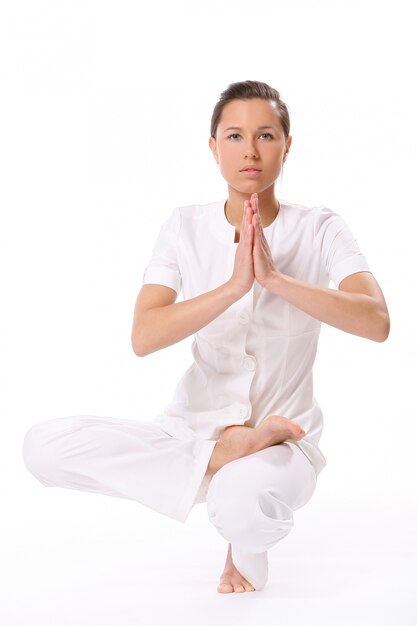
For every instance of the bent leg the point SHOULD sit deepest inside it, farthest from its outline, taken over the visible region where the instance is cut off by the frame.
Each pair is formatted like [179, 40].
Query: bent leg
[250, 501]
[120, 458]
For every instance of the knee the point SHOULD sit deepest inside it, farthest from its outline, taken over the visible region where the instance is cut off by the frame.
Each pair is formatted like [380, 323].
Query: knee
[35, 451]
[245, 513]
[40, 450]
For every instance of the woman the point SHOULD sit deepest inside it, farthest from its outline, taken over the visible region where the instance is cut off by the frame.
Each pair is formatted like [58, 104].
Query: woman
[242, 430]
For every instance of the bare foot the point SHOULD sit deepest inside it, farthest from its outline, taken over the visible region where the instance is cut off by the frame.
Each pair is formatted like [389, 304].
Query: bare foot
[243, 440]
[280, 429]
[231, 580]
[237, 441]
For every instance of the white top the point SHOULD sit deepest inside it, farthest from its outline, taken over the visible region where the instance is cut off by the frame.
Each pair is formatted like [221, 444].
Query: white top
[256, 358]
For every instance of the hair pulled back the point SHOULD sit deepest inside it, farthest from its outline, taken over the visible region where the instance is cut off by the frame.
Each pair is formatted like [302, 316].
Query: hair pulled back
[247, 90]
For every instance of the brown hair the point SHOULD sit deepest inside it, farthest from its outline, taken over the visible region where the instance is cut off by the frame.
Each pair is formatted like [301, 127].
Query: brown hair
[246, 90]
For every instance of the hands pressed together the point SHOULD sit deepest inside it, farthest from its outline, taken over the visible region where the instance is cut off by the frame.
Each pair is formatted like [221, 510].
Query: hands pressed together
[253, 255]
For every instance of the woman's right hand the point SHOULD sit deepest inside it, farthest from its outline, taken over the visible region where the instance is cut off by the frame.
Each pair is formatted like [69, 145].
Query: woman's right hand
[243, 271]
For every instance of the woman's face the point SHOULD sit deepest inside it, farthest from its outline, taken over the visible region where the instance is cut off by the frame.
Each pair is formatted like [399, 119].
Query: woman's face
[237, 148]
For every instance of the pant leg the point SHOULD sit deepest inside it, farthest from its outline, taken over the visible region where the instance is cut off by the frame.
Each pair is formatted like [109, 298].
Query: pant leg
[122, 458]
[250, 501]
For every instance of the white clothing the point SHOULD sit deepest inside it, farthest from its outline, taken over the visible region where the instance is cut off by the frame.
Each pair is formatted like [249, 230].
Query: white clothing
[256, 358]
[249, 501]
[122, 458]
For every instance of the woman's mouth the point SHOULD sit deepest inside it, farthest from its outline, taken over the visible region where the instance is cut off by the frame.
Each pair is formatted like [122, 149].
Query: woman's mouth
[251, 172]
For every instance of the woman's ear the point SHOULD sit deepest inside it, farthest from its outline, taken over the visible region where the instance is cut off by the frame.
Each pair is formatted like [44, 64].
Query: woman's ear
[213, 148]
[288, 145]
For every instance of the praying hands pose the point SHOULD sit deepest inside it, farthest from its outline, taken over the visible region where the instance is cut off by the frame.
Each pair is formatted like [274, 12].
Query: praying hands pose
[242, 430]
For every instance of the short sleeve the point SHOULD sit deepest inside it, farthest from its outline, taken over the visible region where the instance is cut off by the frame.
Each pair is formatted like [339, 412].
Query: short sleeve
[163, 268]
[339, 249]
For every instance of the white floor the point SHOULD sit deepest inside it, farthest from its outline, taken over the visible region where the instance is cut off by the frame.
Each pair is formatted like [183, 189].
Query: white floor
[78, 559]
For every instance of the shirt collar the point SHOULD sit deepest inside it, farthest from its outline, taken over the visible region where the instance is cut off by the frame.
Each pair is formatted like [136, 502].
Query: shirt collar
[224, 231]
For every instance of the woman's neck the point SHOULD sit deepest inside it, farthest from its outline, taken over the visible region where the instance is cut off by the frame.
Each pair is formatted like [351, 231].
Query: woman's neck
[268, 208]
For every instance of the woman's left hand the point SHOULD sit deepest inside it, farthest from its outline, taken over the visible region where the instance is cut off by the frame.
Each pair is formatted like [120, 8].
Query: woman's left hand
[262, 257]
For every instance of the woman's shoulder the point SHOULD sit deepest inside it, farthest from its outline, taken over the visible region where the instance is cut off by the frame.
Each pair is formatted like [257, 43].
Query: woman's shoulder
[300, 207]
[199, 209]
[187, 215]
[302, 214]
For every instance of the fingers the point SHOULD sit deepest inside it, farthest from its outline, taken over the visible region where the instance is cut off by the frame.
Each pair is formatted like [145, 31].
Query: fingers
[250, 220]
[256, 219]
[246, 231]
[255, 203]
[249, 238]
[257, 237]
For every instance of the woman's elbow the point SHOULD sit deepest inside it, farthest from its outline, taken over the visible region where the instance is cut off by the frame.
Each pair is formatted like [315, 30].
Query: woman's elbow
[386, 330]
[138, 345]
[382, 328]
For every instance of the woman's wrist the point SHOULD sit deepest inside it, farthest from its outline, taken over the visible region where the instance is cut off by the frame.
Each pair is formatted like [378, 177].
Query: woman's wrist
[233, 291]
[273, 281]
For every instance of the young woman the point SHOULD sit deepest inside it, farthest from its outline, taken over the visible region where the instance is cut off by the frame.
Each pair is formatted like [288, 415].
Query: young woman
[243, 428]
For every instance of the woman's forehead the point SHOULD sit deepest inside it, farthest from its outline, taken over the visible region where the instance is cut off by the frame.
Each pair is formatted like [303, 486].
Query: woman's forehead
[254, 113]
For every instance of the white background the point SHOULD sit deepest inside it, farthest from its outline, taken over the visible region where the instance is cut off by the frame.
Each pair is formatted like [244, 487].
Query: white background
[105, 121]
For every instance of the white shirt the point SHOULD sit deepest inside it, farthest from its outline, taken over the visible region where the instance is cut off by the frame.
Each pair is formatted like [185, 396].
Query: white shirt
[256, 358]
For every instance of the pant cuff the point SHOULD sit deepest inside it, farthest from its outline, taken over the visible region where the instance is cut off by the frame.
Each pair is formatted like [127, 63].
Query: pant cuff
[203, 451]
[253, 567]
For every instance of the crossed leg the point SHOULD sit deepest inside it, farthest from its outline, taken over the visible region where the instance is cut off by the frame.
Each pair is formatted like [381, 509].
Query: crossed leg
[251, 501]
[117, 457]
[121, 458]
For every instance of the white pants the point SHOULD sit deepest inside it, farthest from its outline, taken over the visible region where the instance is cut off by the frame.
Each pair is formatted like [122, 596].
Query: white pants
[250, 500]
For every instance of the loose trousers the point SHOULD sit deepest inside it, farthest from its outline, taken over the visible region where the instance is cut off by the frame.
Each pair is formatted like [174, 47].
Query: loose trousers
[250, 501]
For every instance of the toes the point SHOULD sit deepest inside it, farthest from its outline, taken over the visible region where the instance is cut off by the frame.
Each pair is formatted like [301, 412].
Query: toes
[301, 432]
[237, 588]
[247, 585]
[296, 430]
[225, 588]
[244, 586]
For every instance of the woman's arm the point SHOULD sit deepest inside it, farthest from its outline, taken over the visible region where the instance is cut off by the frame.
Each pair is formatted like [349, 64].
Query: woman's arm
[160, 322]
[358, 307]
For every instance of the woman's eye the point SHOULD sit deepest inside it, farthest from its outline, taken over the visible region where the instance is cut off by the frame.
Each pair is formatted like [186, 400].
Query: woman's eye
[237, 135]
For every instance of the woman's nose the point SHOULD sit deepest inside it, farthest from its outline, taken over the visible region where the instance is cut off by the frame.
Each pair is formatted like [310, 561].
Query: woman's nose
[251, 152]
